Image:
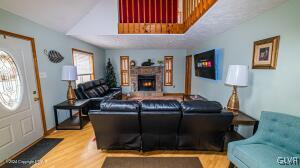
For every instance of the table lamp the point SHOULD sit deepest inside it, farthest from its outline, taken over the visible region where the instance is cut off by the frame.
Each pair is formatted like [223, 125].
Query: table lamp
[69, 73]
[237, 76]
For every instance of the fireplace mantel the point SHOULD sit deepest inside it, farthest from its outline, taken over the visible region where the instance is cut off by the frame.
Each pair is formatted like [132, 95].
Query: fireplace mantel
[147, 70]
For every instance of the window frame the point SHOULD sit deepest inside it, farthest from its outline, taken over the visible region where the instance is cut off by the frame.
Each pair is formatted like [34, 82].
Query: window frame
[168, 59]
[92, 75]
[123, 81]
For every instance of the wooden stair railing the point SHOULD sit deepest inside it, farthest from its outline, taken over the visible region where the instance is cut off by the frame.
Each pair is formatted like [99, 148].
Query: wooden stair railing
[160, 16]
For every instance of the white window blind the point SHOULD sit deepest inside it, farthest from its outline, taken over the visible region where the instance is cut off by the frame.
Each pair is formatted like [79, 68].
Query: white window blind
[84, 63]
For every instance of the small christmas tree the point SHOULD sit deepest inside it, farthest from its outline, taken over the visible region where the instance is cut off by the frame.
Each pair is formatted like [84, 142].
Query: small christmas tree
[110, 75]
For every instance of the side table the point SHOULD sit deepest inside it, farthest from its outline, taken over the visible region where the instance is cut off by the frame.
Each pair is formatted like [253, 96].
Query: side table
[240, 119]
[73, 122]
[193, 97]
[244, 119]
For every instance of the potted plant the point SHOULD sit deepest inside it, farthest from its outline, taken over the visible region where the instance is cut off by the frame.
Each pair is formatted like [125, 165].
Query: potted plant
[160, 62]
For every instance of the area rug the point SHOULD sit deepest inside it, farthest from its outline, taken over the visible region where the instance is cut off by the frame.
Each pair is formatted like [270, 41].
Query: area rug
[152, 162]
[33, 154]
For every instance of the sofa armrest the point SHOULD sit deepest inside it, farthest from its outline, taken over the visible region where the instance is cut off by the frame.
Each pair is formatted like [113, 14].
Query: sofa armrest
[115, 89]
[95, 102]
[97, 99]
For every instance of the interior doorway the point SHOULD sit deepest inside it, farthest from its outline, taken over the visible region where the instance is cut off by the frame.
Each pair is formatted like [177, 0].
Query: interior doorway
[188, 74]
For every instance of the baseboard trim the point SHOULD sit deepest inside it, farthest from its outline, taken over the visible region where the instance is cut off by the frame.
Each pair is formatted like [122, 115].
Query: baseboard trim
[50, 131]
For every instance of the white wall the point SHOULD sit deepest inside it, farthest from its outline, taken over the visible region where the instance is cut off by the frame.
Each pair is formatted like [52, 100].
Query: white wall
[54, 90]
[101, 20]
[269, 90]
[140, 56]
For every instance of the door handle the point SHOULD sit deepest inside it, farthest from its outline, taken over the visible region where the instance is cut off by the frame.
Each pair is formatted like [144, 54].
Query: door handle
[35, 98]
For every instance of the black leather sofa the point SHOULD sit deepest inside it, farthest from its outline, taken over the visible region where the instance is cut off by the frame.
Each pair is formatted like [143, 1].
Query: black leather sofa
[203, 126]
[97, 91]
[160, 125]
[117, 125]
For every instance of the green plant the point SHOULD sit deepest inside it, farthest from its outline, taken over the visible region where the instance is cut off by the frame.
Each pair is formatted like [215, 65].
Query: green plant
[110, 75]
[160, 62]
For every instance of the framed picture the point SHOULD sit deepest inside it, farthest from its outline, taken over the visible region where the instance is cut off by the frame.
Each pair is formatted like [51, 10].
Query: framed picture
[265, 53]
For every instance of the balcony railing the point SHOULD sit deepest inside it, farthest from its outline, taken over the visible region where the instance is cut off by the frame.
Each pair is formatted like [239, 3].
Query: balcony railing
[160, 16]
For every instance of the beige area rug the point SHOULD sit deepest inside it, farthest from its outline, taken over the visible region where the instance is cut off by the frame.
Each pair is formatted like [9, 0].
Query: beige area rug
[140, 98]
[152, 162]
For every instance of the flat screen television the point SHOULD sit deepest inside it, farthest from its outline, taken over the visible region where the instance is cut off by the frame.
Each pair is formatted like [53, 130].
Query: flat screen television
[206, 64]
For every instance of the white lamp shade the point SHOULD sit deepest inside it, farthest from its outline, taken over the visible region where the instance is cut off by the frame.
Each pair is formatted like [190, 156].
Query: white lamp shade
[69, 73]
[237, 75]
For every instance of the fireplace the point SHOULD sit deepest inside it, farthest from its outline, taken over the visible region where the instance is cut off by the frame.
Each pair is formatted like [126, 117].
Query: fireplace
[146, 83]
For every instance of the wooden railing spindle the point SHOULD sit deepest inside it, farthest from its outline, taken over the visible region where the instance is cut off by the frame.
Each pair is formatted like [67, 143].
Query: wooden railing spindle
[188, 12]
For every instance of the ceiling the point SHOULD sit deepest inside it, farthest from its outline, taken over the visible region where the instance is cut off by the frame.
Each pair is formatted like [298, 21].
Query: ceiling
[87, 20]
[59, 15]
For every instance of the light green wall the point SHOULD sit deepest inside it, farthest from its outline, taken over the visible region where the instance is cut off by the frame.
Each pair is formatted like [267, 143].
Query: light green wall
[54, 90]
[140, 56]
[271, 90]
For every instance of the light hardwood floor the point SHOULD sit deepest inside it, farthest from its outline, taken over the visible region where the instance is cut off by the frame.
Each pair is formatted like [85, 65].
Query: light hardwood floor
[78, 149]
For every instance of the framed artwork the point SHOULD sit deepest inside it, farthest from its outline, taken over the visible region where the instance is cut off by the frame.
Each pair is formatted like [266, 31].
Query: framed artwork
[265, 53]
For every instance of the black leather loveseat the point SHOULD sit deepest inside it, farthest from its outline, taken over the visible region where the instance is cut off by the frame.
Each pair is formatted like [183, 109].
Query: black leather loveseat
[97, 91]
[160, 124]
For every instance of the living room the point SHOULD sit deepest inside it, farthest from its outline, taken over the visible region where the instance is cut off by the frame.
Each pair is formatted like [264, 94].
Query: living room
[209, 83]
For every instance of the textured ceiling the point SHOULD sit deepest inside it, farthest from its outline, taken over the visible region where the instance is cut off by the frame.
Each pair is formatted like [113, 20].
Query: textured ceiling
[61, 15]
[224, 15]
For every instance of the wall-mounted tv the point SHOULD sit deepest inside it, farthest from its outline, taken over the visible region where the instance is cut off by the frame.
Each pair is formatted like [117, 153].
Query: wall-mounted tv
[207, 64]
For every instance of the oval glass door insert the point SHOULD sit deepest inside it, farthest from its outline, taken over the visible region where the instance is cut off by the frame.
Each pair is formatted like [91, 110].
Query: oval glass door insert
[10, 83]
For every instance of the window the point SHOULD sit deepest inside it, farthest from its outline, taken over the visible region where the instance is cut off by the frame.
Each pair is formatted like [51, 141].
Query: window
[84, 61]
[124, 69]
[168, 71]
[10, 83]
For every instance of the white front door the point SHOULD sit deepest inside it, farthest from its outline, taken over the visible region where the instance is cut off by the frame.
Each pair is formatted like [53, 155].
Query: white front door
[20, 116]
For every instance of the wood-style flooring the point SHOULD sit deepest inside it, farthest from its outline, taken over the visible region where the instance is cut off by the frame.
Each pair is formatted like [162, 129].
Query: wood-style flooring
[78, 149]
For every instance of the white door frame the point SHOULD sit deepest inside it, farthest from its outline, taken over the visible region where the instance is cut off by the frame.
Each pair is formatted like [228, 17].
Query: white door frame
[37, 76]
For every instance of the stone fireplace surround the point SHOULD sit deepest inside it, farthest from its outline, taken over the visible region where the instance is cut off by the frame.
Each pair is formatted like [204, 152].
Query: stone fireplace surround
[146, 70]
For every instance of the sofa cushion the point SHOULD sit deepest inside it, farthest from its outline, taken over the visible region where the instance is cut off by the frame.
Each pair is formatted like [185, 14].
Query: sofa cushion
[100, 90]
[120, 106]
[259, 155]
[160, 105]
[92, 93]
[102, 81]
[79, 94]
[105, 87]
[199, 106]
[97, 82]
[86, 86]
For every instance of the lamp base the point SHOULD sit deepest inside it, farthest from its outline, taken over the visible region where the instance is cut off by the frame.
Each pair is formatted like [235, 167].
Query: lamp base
[71, 94]
[233, 103]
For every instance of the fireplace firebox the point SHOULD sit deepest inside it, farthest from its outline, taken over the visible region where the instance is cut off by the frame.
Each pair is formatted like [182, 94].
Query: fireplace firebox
[146, 83]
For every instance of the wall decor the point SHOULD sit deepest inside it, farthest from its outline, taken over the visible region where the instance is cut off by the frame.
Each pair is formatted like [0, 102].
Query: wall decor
[148, 63]
[54, 56]
[265, 53]
[132, 63]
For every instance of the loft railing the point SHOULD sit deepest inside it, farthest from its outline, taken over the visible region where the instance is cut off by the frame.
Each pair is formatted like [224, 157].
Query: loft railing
[160, 16]
[194, 10]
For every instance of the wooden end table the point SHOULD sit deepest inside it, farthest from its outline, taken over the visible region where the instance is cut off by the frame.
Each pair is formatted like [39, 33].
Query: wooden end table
[240, 119]
[74, 122]
[244, 119]
[193, 97]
